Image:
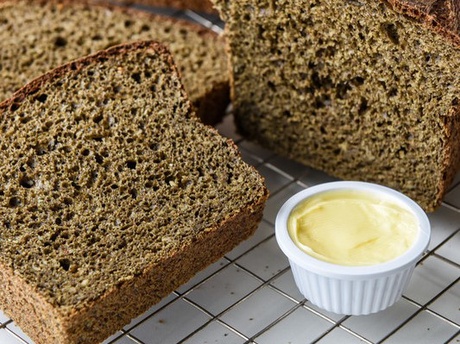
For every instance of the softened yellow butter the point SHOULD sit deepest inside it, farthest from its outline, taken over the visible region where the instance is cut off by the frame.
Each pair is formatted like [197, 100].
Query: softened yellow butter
[353, 228]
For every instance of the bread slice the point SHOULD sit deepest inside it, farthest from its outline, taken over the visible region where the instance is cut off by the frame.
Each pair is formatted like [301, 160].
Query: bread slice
[361, 89]
[112, 194]
[37, 36]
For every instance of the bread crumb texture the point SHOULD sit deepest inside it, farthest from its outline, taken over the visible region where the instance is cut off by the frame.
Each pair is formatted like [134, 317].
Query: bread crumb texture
[349, 87]
[105, 173]
[39, 35]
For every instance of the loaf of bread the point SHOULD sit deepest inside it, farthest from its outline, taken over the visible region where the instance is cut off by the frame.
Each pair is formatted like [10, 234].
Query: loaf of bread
[112, 194]
[362, 89]
[39, 35]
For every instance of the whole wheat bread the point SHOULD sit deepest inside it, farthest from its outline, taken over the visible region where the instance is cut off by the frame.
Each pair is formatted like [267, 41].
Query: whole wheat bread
[112, 194]
[39, 35]
[361, 89]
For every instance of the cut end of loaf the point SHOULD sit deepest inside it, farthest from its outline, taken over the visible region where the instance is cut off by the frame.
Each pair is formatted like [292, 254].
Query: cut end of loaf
[357, 89]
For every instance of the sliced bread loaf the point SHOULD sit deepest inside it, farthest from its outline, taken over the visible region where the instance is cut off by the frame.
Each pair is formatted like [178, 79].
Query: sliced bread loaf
[112, 194]
[39, 35]
[361, 89]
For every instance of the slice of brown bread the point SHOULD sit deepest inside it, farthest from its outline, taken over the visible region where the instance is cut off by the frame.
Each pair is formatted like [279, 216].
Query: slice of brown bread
[112, 194]
[37, 36]
[362, 89]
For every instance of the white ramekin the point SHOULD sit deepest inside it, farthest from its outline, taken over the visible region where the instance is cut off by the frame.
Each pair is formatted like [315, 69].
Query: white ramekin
[352, 290]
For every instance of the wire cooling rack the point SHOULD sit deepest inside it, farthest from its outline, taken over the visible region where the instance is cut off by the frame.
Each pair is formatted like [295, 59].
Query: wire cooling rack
[249, 296]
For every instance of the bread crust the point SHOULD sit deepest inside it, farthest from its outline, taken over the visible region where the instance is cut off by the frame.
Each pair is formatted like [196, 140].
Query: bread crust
[442, 16]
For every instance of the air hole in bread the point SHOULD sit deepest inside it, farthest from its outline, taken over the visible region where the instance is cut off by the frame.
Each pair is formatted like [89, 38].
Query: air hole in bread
[154, 146]
[14, 107]
[99, 158]
[14, 202]
[358, 81]
[322, 101]
[69, 217]
[26, 182]
[145, 28]
[169, 180]
[31, 163]
[39, 150]
[393, 92]
[131, 164]
[97, 138]
[363, 106]
[68, 201]
[392, 32]
[133, 193]
[122, 244]
[60, 42]
[75, 186]
[229, 178]
[65, 264]
[128, 23]
[98, 118]
[136, 77]
[24, 120]
[342, 90]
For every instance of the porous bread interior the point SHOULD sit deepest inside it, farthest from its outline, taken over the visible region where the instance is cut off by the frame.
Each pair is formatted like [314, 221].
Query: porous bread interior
[38, 37]
[349, 87]
[104, 173]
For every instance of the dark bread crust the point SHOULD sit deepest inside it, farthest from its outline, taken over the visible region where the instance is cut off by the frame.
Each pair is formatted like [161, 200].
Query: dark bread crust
[442, 16]
[212, 104]
[94, 320]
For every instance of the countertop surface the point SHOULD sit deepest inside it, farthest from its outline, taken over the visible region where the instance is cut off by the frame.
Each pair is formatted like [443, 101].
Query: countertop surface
[249, 296]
